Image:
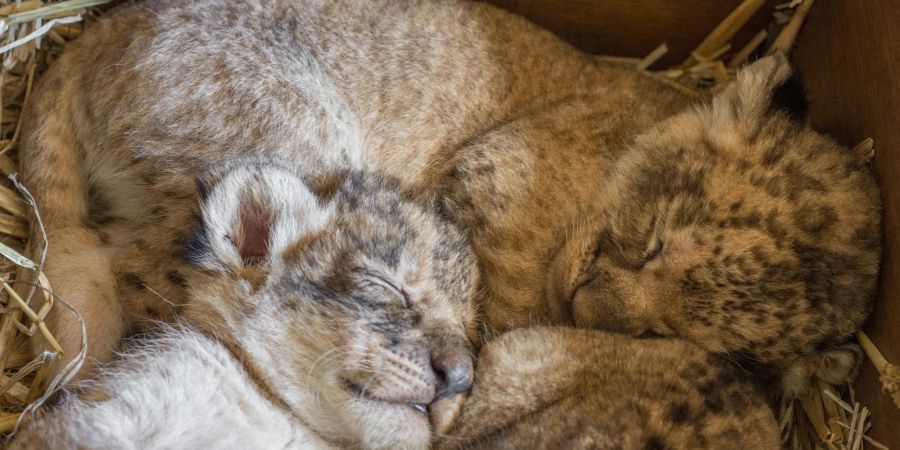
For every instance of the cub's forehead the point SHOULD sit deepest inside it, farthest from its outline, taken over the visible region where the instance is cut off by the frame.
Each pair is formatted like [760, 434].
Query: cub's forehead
[362, 215]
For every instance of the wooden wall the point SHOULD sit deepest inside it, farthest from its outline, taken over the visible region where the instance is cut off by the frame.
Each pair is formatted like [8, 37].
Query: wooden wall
[636, 27]
[849, 55]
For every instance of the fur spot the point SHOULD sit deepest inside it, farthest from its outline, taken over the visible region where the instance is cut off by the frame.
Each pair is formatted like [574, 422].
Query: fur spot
[198, 246]
[203, 188]
[655, 443]
[177, 278]
[815, 220]
[679, 413]
[325, 187]
[799, 181]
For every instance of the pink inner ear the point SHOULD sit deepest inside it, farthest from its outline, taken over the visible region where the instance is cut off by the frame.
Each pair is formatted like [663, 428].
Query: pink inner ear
[256, 228]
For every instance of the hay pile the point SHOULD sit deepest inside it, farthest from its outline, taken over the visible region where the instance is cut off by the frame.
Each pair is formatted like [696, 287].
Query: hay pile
[35, 32]
[33, 35]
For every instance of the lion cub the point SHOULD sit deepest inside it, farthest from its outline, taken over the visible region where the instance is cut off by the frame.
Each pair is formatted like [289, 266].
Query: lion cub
[594, 194]
[583, 389]
[733, 225]
[324, 309]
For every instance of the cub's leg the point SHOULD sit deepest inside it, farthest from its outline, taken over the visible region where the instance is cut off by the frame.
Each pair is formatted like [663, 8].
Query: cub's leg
[588, 389]
[80, 250]
[79, 267]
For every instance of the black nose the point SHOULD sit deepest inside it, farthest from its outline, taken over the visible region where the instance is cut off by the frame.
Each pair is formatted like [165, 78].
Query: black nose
[453, 367]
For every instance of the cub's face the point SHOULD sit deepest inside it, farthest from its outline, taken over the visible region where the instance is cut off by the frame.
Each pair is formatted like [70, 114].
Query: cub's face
[347, 302]
[733, 226]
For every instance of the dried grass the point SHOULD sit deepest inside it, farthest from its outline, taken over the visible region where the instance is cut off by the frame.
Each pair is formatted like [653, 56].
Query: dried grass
[35, 33]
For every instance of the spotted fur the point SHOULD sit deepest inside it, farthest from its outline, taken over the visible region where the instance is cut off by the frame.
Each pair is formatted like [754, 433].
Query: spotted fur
[554, 162]
[732, 225]
[580, 389]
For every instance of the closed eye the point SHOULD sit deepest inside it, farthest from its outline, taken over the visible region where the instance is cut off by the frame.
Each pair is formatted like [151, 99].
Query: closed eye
[392, 288]
[654, 250]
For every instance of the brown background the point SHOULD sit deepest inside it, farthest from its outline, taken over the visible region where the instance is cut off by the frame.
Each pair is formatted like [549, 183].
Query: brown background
[636, 27]
[849, 56]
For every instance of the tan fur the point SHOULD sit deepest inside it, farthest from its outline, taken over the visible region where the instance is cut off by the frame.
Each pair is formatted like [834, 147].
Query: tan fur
[733, 226]
[170, 89]
[543, 154]
[579, 389]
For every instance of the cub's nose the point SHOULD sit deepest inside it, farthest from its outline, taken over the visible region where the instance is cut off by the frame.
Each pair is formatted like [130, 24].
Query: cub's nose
[454, 369]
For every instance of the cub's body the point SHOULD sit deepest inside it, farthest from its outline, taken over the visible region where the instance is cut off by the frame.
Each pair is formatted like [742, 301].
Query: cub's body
[156, 92]
[593, 194]
[180, 390]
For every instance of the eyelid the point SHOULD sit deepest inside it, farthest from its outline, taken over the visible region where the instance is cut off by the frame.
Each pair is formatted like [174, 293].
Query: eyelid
[391, 287]
[655, 249]
[656, 244]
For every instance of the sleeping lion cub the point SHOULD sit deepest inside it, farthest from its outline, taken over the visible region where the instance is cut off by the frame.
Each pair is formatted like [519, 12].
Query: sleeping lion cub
[325, 310]
[594, 194]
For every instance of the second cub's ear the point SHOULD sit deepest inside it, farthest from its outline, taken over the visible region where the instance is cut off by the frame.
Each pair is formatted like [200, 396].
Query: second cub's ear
[767, 85]
[840, 364]
[835, 365]
[249, 211]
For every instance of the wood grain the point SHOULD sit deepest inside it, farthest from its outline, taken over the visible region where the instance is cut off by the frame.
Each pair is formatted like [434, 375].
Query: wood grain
[636, 27]
[849, 55]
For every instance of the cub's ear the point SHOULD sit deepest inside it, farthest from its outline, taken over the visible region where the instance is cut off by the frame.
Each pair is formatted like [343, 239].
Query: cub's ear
[249, 211]
[836, 365]
[253, 232]
[765, 86]
[840, 364]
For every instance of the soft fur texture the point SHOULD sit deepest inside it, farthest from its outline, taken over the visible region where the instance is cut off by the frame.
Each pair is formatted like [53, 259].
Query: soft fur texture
[581, 389]
[347, 304]
[594, 194]
[733, 226]
[174, 87]
[179, 390]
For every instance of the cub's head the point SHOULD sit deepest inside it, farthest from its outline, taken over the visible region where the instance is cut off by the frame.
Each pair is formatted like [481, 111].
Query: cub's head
[733, 225]
[348, 302]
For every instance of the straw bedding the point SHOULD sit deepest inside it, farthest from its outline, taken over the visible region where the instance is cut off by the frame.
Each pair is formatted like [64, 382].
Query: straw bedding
[32, 35]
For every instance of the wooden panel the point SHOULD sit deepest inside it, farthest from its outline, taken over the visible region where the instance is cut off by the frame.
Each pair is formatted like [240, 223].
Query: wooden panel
[850, 57]
[635, 27]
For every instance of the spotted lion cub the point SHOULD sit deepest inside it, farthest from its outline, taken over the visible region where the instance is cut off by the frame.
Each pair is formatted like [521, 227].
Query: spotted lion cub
[325, 311]
[734, 225]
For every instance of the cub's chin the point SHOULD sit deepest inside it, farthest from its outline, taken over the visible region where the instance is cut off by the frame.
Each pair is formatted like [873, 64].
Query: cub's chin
[384, 424]
[380, 424]
[356, 420]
